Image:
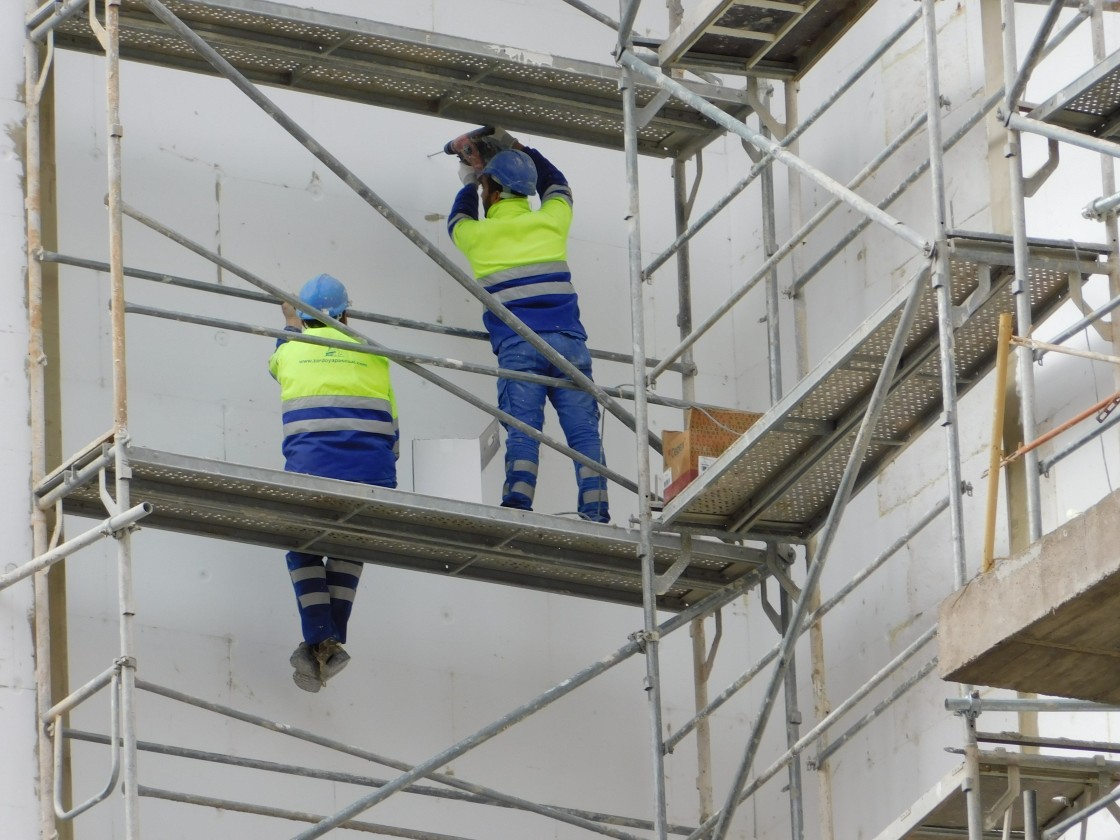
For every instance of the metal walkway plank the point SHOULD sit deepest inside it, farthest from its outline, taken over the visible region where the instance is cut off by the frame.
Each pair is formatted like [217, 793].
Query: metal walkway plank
[941, 811]
[781, 476]
[411, 70]
[1090, 104]
[771, 38]
[390, 527]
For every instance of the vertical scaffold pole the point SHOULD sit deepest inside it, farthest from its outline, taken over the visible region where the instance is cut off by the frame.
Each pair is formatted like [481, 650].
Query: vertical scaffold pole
[36, 355]
[120, 420]
[1020, 287]
[941, 283]
[1108, 187]
[641, 416]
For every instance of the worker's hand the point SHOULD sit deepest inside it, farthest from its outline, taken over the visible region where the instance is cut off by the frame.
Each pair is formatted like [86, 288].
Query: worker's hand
[503, 139]
[291, 317]
[468, 174]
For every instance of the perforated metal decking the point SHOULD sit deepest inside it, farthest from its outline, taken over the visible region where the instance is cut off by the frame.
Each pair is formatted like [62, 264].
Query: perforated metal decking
[770, 38]
[411, 70]
[390, 527]
[1090, 104]
[779, 479]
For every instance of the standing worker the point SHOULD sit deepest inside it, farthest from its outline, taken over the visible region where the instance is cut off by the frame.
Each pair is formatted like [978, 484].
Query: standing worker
[520, 256]
[340, 421]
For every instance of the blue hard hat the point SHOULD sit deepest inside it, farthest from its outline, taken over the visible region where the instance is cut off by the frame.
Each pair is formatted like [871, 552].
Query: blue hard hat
[325, 293]
[514, 171]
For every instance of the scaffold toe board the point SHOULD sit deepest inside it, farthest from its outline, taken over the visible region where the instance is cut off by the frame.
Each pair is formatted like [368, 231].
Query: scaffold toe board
[782, 475]
[1043, 620]
[376, 525]
[1060, 783]
[411, 70]
[759, 37]
[1089, 104]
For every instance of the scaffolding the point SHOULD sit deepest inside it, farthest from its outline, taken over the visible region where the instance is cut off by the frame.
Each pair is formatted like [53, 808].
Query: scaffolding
[785, 484]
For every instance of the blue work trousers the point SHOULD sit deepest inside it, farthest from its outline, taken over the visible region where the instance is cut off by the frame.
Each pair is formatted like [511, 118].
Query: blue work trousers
[579, 418]
[325, 588]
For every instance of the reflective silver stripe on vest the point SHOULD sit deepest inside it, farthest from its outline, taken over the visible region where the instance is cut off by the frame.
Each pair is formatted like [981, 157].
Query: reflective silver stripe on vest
[368, 403]
[339, 424]
[520, 271]
[522, 466]
[557, 191]
[534, 290]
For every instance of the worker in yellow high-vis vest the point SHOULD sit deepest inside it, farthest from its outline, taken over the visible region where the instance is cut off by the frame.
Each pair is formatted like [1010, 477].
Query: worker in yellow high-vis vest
[340, 421]
[519, 254]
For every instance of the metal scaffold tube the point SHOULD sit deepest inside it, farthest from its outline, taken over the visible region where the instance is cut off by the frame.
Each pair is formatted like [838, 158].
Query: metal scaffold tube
[446, 385]
[459, 795]
[650, 640]
[941, 280]
[860, 204]
[125, 594]
[788, 141]
[620, 392]
[396, 219]
[631, 648]
[108, 528]
[1020, 287]
[720, 823]
[814, 734]
[812, 619]
[351, 314]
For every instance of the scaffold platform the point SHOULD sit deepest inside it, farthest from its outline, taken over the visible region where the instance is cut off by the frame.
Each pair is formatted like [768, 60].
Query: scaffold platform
[1089, 104]
[1060, 782]
[759, 37]
[376, 525]
[412, 70]
[779, 479]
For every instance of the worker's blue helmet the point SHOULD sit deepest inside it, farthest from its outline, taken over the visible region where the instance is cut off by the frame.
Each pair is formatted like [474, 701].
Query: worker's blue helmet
[514, 171]
[325, 293]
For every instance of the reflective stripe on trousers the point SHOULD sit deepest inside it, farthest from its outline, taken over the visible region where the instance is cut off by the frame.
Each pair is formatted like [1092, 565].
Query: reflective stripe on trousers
[324, 594]
[579, 418]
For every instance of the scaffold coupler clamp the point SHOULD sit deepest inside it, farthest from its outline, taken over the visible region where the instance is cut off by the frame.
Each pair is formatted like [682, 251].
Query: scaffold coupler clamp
[644, 637]
[122, 662]
[1107, 410]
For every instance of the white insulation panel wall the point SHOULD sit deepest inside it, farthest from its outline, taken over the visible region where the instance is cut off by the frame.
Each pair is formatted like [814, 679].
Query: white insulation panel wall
[18, 807]
[436, 659]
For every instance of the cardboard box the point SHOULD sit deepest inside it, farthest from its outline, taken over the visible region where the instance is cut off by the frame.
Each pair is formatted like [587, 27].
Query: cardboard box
[710, 432]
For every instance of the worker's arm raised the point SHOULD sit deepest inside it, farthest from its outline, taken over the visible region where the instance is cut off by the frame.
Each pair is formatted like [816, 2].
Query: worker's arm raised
[551, 183]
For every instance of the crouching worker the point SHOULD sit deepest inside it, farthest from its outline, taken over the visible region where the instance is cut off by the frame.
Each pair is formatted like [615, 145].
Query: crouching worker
[340, 421]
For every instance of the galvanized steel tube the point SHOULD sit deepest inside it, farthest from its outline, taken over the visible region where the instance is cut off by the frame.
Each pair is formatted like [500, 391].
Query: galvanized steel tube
[651, 640]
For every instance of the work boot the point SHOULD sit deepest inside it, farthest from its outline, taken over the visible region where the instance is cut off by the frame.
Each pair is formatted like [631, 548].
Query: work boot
[331, 658]
[307, 673]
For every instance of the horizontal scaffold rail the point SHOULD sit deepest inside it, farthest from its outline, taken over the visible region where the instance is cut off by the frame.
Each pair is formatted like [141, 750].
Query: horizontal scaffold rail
[394, 528]
[411, 70]
[780, 477]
